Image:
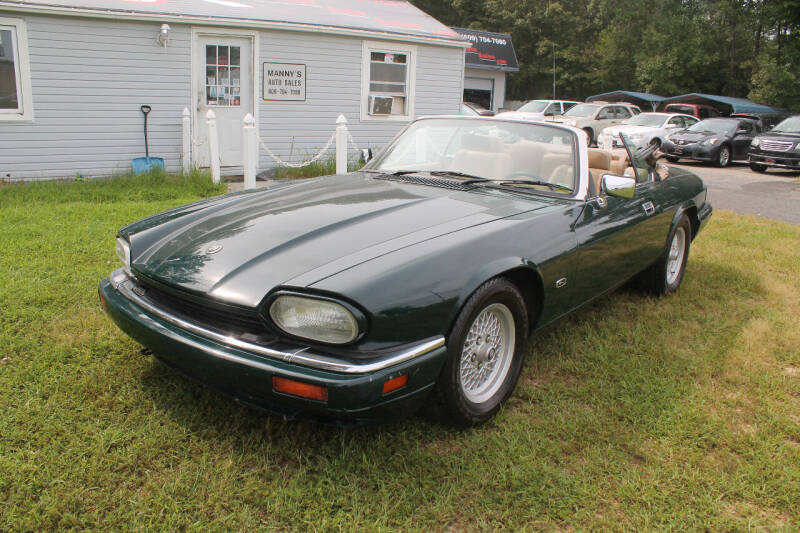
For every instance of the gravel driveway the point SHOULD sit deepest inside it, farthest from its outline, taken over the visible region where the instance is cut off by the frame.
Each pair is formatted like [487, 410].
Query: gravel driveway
[774, 195]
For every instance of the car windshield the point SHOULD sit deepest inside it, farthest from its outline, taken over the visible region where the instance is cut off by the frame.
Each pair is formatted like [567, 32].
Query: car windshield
[714, 125]
[534, 106]
[685, 109]
[651, 120]
[582, 110]
[533, 156]
[790, 125]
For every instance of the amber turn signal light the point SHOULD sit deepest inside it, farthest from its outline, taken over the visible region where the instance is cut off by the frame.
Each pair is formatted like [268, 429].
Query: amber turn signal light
[395, 383]
[298, 388]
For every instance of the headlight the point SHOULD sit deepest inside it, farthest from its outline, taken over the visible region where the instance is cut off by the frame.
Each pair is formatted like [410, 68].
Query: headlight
[571, 122]
[636, 136]
[711, 141]
[123, 250]
[755, 142]
[314, 319]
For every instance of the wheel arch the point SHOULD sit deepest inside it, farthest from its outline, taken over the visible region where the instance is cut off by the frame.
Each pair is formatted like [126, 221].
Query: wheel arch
[690, 210]
[523, 274]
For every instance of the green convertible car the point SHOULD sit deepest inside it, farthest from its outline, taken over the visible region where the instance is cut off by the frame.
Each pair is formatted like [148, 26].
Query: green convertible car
[416, 280]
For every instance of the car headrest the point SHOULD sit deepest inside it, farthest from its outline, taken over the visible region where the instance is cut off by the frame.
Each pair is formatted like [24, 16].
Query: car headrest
[481, 143]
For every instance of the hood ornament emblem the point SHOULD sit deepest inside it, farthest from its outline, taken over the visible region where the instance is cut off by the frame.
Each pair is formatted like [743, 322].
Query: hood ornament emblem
[214, 248]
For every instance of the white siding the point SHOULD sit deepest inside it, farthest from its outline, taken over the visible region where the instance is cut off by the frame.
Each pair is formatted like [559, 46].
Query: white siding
[333, 87]
[89, 77]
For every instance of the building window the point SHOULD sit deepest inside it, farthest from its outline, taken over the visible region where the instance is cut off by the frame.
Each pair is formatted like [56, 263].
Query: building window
[15, 85]
[223, 75]
[387, 82]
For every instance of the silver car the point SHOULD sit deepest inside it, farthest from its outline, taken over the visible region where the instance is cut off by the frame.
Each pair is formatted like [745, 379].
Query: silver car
[594, 117]
[644, 129]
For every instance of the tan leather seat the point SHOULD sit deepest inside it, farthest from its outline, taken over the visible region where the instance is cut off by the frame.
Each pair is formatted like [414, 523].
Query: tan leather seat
[599, 164]
[527, 156]
[483, 156]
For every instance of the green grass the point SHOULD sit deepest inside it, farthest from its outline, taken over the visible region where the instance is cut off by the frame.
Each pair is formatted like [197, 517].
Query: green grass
[321, 167]
[635, 414]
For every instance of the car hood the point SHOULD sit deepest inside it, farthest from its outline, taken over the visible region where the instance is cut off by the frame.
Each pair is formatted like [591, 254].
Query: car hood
[628, 130]
[522, 115]
[238, 248]
[694, 136]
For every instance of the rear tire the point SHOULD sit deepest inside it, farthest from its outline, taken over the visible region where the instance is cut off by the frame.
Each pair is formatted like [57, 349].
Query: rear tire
[485, 351]
[755, 167]
[666, 274]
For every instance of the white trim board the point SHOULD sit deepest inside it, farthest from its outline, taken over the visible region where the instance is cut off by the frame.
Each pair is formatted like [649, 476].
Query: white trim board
[22, 73]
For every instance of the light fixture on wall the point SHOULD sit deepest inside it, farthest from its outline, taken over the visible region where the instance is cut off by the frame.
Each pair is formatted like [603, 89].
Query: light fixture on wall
[163, 36]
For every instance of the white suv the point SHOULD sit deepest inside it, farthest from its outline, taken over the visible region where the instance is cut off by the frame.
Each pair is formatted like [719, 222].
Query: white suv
[595, 116]
[540, 109]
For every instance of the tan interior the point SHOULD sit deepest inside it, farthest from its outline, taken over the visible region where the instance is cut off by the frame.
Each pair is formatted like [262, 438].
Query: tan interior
[606, 162]
[482, 155]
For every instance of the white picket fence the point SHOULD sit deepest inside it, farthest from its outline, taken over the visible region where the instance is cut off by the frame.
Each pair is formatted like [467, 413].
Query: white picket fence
[250, 147]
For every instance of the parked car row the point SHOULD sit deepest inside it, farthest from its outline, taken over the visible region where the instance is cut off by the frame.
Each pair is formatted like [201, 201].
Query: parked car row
[681, 131]
[722, 140]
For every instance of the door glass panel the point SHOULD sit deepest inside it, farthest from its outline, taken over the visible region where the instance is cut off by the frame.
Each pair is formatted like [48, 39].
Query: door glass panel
[8, 74]
[223, 75]
[638, 162]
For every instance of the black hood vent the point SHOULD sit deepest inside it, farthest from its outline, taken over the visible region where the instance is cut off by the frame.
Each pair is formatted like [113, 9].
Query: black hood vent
[456, 185]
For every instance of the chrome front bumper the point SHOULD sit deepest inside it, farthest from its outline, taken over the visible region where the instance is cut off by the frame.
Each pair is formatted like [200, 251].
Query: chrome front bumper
[125, 286]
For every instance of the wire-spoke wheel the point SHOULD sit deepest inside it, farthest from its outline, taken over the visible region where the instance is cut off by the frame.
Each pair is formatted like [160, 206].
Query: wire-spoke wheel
[485, 350]
[487, 353]
[675, 256]
[666, 274]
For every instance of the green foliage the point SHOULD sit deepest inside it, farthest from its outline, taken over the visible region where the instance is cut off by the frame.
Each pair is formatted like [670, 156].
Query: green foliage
[775, 83]
[665, 47]
[153, 185]
[321, 167]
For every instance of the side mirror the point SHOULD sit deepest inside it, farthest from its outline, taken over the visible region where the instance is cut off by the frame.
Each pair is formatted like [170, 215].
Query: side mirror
[366, 155]
[619, 186]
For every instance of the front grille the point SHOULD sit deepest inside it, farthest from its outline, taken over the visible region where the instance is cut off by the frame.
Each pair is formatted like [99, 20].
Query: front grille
[776, 146]
[683, 142]
[242, 323]
[433, 182]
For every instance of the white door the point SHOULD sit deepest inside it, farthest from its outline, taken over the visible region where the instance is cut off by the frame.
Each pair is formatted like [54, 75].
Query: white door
[223, 82]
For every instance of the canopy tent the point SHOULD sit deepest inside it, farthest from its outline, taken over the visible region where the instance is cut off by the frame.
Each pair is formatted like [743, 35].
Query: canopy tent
[640, 99]
[727, 104]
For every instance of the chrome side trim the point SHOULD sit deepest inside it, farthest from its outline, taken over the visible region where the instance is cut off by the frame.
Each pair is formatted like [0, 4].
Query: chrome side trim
[124, 285]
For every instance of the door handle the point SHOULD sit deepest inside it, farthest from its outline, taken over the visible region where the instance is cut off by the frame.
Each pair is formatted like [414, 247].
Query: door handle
[649, 208]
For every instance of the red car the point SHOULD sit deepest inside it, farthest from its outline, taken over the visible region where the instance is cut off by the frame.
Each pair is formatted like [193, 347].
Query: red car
[696, 110]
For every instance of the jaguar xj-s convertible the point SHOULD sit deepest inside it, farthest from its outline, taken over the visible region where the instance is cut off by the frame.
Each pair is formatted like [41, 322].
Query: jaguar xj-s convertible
[417, 280]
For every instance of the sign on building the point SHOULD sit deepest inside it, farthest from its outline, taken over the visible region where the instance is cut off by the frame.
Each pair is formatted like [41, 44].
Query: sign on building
[284, 81]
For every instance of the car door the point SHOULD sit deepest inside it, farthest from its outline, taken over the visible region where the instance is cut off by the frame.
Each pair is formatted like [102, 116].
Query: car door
[621, 113]
[619, 237]
[745, 131]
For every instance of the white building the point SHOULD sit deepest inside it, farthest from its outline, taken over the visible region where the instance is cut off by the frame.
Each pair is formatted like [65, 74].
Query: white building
[488, 58]
[74, 73]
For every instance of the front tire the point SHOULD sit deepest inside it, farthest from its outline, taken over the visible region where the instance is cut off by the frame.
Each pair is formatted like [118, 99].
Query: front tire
[485, 351]
[673, 159]
[666, 274]
[755, 167]
[724, 156]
